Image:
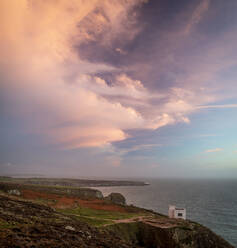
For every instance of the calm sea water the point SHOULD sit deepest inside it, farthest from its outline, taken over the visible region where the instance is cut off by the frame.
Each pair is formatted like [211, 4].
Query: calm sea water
[212, 203]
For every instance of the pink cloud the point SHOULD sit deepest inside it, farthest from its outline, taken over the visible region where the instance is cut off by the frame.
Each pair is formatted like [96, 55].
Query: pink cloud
[197, 15]
[214, 150]
[40, 55]
[38, 58]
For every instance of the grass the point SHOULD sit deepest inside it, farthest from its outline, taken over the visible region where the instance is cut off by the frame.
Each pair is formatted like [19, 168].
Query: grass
[53, 189]
[100, 214]
[94, 221]
[5, 225]
[45, 201]
[98, 217]
[5, 179]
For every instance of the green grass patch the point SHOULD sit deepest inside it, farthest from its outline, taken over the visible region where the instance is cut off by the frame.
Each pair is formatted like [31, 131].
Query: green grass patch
[5, 225]
[100, 214]
[5, 179]
[97, 217]
[94, 221]
[46, 201]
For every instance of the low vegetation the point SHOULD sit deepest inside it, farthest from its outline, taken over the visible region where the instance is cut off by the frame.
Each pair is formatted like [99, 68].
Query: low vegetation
[98, 217]
[6, 225]
[62, 216]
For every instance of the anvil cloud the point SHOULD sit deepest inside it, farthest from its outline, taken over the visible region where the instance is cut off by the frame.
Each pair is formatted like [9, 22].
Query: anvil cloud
[90, 74]
[53, 87]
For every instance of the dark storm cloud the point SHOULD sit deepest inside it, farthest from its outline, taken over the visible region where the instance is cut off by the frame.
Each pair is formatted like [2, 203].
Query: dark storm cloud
[150, 56]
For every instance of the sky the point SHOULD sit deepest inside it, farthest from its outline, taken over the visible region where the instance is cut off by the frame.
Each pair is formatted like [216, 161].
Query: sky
[118, 88]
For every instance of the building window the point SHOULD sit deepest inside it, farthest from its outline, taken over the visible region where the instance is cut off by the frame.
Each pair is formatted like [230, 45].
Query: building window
[180, 214]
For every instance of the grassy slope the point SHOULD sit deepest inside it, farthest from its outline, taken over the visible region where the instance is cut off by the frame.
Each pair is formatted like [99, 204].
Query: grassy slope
[129, 232]
[98, 217]
[26, 224]
[92, 216]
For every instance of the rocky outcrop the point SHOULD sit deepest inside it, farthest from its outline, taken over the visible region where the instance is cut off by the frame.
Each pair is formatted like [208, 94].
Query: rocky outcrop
[188, 235]
[116, 198]
[82, 192]
[29, 224]
[14, 192]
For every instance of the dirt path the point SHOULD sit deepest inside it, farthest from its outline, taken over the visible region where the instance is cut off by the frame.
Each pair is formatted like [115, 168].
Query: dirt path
[150, 220]
[130, 220]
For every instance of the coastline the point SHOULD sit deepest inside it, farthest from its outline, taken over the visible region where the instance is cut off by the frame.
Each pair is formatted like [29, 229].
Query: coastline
[106, 213]
[72, 182]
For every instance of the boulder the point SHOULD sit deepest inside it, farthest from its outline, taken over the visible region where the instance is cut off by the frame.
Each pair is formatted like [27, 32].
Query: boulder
[116, 198]
[14, 192]
[70, 228]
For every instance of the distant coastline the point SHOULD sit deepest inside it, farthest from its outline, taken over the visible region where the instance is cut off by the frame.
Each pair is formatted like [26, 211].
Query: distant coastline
[73, 182]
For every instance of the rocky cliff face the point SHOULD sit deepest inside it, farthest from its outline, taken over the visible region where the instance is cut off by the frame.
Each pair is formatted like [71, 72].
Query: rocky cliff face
[116, 198]
[27, 223]
[186, 235]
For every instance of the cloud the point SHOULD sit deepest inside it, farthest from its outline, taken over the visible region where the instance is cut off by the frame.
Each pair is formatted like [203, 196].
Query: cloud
[140, 147]
[39, 63]
[121, 51]
[214, 150]
[115, 156]
[63, 96]
[197, 15]
[207, 135]
[57, 95]
[218, 106]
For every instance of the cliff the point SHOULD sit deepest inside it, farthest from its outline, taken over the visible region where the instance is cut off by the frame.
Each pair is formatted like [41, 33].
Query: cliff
[188, 235]
[39, 216]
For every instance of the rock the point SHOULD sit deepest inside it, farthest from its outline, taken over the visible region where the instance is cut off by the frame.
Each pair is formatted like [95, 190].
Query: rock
[70, 228]
[184, 235]
[30, 224]
[83, 192]
[116, 198]
[14, 192]
[98, 194]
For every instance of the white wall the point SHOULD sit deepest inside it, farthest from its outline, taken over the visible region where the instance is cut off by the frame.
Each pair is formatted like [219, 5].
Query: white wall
[180, 211]
[171, 211]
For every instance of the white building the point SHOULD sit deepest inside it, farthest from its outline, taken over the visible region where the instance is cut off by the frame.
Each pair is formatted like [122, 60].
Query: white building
[177, 213]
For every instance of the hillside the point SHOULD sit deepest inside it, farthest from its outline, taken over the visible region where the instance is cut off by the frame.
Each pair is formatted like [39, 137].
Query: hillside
[42, 216]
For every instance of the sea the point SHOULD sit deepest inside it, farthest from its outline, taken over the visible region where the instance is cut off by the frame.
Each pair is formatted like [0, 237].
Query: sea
[210, 202]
